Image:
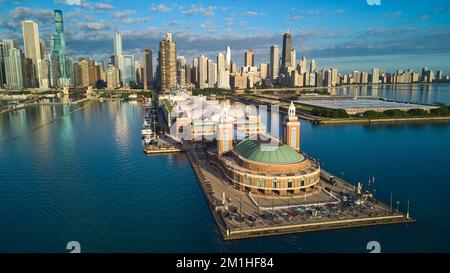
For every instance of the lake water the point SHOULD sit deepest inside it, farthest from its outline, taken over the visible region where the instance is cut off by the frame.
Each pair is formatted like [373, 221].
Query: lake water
[78, 173]
[418, 93]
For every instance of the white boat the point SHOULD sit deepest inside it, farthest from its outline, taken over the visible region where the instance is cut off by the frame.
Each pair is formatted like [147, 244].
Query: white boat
[132, 97]
[146, 132]
[148, 140]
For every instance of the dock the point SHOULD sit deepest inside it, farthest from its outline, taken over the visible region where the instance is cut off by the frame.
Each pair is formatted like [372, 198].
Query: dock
[150, 149]
[230, 207]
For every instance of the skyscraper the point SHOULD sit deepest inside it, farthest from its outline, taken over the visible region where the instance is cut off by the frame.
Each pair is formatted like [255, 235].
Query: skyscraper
[263, 70]
[14, 64]
[303, 65]
[167, 63]
[5, 46]
[31, 44]
[274, 63]
[58, 58]
[148, 68]
[202, 71]
[212, 73]
[118, 56]
[293, 58]
[312, 66]
[128, 70]
[221, 62]
[249, 58]
[286, 54]
[228, 58]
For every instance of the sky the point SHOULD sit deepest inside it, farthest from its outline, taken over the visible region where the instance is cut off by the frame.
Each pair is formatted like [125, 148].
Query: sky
[346, 34]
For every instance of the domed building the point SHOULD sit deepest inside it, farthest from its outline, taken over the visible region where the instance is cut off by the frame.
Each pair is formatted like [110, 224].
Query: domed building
[262, 164]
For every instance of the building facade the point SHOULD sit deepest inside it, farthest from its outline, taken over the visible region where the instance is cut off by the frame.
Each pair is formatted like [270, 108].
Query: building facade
[167, 63]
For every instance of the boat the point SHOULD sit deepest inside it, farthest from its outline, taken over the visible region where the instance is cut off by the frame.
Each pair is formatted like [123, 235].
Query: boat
[147, 139]
[101, 99]
[132, 97]
[146, 131]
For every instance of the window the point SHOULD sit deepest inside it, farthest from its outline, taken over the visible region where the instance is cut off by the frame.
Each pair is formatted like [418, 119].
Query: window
[311, 180]
[275, 184]
[247, 180]
[261, 183]
[290, 184]
[302, 183]
[294, 138]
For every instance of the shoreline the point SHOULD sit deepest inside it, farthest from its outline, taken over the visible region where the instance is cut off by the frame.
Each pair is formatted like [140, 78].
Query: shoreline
[383, 120]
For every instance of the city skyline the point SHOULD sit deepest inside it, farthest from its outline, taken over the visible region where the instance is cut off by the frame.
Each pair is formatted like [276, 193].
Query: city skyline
[319, 31]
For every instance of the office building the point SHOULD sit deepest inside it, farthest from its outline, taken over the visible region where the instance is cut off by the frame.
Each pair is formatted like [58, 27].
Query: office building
[167, 63]
[274, 62]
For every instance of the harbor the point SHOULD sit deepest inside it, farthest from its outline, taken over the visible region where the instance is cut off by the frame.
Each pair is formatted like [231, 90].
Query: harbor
[239, 214]
[254, 190]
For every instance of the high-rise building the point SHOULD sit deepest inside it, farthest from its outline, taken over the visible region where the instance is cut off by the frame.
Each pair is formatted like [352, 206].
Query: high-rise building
[128, 70]
[181, 71]
[286, 54]
[375, 75]
[32, 47]
[233, 69]
[439, 75]
[148, 68]
[58, 57]
[202, 71]
[228, 58]
[334, 76]
[293, 58]
[249, 58]
[167, 63]
[14, 64]
[84, 73]
[312, 66]
[194, 72]
[118, 55]
[274, 63]
[212, 73]
[221, 62]
[303, 65]
[223, 73]
[264, 70]
[112, 77]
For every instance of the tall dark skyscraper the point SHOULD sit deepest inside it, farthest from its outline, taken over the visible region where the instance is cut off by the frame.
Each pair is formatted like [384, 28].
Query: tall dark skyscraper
[148, 68]
[286, 54]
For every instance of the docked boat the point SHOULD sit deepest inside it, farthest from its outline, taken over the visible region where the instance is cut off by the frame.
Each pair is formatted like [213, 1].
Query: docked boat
[148, 139]
[146, 131]
[132, 97]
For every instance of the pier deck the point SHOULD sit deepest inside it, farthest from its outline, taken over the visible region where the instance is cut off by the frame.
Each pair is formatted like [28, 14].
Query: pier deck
[269, 214]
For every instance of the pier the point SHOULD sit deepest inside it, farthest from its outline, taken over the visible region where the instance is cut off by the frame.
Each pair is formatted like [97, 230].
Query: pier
[240, 214]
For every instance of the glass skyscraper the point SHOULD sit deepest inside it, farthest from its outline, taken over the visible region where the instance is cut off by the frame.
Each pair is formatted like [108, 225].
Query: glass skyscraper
[59, 68]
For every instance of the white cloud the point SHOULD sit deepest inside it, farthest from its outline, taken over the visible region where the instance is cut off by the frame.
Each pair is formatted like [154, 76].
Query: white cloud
[103, 6]
[69, 2]
[160, 8]
[194, 10]
[123, 14]
[253, 13]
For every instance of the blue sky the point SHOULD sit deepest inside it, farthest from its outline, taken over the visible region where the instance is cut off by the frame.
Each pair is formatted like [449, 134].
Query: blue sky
[347, 34]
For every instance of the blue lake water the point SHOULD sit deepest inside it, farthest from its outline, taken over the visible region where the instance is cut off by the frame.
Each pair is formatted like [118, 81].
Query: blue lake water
[417, 93]
[78, 173]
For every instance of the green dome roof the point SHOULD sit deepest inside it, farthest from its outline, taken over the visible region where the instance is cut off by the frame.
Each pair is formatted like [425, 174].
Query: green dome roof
[253, 150]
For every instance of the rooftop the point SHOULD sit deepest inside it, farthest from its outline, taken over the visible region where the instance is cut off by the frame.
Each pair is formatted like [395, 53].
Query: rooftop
[264, 151]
